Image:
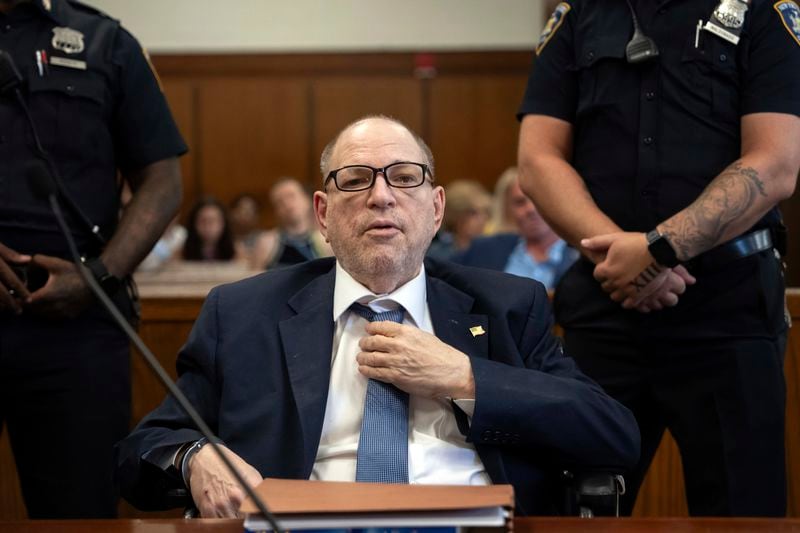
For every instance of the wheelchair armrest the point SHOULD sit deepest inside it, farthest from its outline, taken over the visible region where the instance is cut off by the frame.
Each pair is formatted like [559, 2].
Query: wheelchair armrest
[593, 493]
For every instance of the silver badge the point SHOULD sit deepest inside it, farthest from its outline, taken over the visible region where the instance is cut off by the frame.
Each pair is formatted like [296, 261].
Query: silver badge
[67, 40]
[47, 5]
[731, 13]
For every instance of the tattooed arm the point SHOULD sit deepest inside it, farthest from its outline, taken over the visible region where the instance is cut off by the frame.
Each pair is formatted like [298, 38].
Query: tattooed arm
[765, 174]
[745, 191]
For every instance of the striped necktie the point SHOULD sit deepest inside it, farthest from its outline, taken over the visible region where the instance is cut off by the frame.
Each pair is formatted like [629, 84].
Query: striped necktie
[383, 444]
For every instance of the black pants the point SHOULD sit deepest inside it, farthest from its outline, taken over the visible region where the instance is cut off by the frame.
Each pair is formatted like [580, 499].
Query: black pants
[65, 401]
[710, 370]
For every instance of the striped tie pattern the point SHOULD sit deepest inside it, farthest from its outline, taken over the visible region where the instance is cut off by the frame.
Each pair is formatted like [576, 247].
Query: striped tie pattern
[383, 444]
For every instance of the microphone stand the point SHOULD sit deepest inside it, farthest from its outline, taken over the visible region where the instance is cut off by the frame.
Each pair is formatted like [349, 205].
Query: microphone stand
[153, 363]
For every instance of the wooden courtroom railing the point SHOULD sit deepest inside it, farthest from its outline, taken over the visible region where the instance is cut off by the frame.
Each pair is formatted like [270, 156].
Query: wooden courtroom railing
[166, 322]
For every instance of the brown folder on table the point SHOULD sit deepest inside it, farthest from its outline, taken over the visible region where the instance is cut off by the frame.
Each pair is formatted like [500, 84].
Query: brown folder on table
[301, 504]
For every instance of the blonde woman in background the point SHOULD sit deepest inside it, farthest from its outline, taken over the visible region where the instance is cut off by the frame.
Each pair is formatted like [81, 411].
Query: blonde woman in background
[531, 249]
[465, 216]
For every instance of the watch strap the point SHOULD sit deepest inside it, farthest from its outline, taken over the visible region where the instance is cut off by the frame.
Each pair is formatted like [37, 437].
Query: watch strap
[661, 249]
[109, 282]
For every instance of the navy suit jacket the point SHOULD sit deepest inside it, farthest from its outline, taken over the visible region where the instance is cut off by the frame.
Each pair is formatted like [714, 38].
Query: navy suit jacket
[257, 367]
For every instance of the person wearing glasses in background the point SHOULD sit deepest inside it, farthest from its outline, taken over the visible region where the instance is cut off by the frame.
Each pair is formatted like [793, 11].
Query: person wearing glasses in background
[658, 139]
[374, 366]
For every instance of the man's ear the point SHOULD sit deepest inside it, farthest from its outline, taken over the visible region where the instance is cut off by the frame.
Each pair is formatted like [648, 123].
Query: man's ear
[438, 205]
[321, 212]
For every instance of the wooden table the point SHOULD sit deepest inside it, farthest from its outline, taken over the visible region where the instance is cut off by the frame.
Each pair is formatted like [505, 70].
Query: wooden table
[521, 525]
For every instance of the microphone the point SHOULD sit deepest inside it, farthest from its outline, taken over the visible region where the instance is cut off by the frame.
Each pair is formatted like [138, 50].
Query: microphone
[43, 186]
[640, 48]
[10, 78]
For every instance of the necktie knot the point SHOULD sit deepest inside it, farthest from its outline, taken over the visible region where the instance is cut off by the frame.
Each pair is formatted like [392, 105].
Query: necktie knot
[395, 315]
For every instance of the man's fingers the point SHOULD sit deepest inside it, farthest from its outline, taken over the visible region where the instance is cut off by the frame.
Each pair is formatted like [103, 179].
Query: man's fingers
[50, 263]
[373, 359]
[9, 302]
[374, 372]
[599, 243]
[687, 277]
[377, 343]
[670, 299]
[7, 254]
[12, 283]
[386, 328]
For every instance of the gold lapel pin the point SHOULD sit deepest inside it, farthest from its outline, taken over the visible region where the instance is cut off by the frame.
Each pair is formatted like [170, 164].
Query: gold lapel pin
[477, 330]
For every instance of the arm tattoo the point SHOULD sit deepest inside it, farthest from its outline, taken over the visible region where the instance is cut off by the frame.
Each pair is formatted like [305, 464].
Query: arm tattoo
[702, 225]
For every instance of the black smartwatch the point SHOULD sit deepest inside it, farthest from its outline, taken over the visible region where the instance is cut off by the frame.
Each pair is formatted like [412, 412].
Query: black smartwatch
[661, 249]
[107, 281]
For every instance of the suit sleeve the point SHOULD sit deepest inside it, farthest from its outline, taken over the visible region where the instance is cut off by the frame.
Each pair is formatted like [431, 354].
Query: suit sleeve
[144, 470]
[539, 399]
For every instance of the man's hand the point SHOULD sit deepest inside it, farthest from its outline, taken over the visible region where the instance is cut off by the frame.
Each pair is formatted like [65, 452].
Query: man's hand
[215, 491]
[627, 256]
[64, 295]
[12, 289]
[649, 287]
[674, 284]
[663, 291]
[415, 361]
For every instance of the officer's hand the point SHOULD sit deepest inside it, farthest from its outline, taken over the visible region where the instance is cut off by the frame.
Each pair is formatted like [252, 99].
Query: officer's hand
[676, 283]
[415, 361]
[12, 289]
[627, 257]
[64, 295]
[215, 492]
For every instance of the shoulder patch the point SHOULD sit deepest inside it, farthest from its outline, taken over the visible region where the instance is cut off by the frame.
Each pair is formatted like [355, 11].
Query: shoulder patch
[553, 23]
[790, 16]
[152, 69]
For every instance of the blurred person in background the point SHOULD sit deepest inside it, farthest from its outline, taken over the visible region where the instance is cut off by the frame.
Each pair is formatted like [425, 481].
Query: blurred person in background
[209, 236]
[501, 221]
[532, 251]
[167, 248]
[245, 218]
[297, 238]
[465, 218]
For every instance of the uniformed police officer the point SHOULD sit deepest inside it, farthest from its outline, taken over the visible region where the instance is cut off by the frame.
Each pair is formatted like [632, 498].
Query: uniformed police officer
[95, 108]
[658, 138]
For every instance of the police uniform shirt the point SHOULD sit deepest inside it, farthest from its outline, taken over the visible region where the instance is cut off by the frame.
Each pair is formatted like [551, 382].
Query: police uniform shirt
[94, 114]
[649, 137]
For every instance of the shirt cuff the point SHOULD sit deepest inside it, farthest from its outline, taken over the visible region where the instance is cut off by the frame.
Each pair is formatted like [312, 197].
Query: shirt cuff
[468, 406]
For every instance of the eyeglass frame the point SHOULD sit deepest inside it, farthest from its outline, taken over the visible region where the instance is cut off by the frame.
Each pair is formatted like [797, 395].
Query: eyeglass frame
[425, 171]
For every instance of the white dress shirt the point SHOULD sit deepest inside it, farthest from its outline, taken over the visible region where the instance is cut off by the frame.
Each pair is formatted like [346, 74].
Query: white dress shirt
[437, 451]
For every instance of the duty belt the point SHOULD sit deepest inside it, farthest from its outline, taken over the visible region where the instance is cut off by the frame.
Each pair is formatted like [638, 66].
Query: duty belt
[739, 248]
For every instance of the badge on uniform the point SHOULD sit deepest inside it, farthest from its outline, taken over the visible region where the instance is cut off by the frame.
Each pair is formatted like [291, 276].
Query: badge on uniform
[553, 23]
[67, 40]
[727, 20]
[790, 16]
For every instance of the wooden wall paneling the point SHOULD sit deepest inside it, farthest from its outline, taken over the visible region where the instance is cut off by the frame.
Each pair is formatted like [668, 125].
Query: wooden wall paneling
[180, 94]
[662, 492]
[11, 505]
[792, 371]
[473, 128]
[791, 217]
[252, 131]
[339, 100]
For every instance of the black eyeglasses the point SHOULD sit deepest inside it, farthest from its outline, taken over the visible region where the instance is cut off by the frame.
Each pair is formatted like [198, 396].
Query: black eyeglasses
[402, 175]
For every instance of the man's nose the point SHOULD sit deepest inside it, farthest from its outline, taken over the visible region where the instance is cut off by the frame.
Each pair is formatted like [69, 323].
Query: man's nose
[381, 192]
